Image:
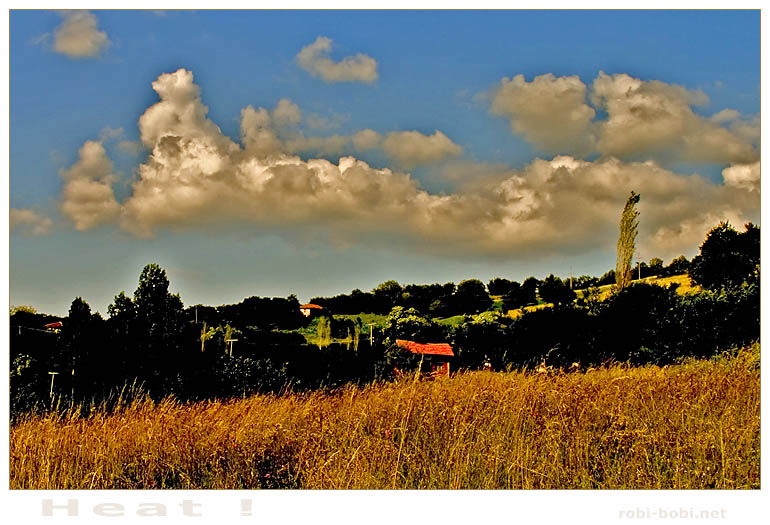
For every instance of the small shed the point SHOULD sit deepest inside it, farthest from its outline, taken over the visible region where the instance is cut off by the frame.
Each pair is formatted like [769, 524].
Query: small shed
[437, 355]
[310, 309]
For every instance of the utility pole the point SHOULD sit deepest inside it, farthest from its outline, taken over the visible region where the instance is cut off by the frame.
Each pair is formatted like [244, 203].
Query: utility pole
[231, 341]
[371, 334]
[53, 376]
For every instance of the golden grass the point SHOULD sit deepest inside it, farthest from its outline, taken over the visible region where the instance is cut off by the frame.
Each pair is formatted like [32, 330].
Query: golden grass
[683, 282]
[689, 426]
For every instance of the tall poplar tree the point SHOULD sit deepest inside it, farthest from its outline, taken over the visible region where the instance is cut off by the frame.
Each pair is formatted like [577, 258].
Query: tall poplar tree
[629, 223]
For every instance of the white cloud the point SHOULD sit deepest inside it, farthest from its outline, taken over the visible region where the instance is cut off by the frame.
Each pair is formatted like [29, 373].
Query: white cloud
[331, 145]
[653, 117]
[29, 221]
[79, 37]
[410, 148]
[746, 176]
[726, 115]
[550, 112]
[644, 120]
[257, 134]
[87, 196]
[197, 177]
[314, 58]
[367, 139]
[286, 113]
[268, 133]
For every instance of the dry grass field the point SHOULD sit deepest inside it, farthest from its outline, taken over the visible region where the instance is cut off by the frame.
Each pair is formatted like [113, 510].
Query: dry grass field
[689, 426]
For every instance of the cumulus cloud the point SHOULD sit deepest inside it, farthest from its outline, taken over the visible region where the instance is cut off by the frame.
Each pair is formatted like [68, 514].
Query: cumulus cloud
[549, 112]
[29, 221]
[197, 177]
[286, 113]
[314, 58]
[746, 176]
[269, 133]
[79, 37]
[87, 196]
[655, 117]
[331, 145]
[640, 120]
[367, 139]
[257, 133]
[410, 148]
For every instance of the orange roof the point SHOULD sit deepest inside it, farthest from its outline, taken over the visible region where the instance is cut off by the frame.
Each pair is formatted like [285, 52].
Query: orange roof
[311, 305]
[425, 348]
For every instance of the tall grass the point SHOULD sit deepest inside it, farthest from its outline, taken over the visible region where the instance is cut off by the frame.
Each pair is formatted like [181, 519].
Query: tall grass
[690, 426]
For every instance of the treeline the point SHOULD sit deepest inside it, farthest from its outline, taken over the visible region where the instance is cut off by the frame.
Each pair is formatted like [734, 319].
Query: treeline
[152, 341]
[473, 296]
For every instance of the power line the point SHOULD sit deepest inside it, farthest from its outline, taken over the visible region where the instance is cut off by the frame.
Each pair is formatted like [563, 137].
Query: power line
[34, 330]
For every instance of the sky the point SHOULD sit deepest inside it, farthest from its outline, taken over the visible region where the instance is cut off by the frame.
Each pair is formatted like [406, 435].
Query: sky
[313, 152]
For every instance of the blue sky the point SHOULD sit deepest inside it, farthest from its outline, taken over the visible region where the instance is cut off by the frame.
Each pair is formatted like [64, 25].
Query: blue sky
[474, 145]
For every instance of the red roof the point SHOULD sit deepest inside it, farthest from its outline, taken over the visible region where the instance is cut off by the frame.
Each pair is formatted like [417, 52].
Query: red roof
[425, 348]
[311, 305]
[57, 324]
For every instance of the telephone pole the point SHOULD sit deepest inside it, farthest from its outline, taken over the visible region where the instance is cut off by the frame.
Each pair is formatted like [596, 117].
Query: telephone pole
[371, 334]
[53, 376]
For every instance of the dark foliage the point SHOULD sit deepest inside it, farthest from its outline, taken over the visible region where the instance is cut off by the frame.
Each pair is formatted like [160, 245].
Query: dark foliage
[727, 258]
[554, 290]
[151, 341]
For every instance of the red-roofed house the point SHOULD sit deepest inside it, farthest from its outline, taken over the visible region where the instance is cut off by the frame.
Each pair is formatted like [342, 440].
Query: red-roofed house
[310, 309]
[54, 327]
[437, 355]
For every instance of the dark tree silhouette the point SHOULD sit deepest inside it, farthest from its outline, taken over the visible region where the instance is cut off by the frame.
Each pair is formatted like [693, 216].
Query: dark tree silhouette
[727, 258]
[554, 290]
[471, 297]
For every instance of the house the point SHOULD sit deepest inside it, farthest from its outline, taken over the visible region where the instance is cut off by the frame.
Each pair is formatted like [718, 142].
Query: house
[54, 327]
[436, 355]
[310, 309]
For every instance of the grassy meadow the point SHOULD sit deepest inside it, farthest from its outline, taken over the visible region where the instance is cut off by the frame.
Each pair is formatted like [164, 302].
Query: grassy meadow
[693, 425]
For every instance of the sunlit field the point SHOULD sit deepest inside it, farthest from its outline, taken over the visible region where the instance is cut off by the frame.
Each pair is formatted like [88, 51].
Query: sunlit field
[689, 426]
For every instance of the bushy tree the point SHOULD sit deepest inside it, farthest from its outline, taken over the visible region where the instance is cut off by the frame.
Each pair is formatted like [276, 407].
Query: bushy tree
[641, 324]
[158, 329]
[471, 297]
[386, 296]
[678, 266]
[607, 278]
[655, 266]
[584, 281]
[514, 298]
[500, 286]
[529, 290]
[82, 360]
[482, 338]
[727, 258]
[407, 323]
[554, 290]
